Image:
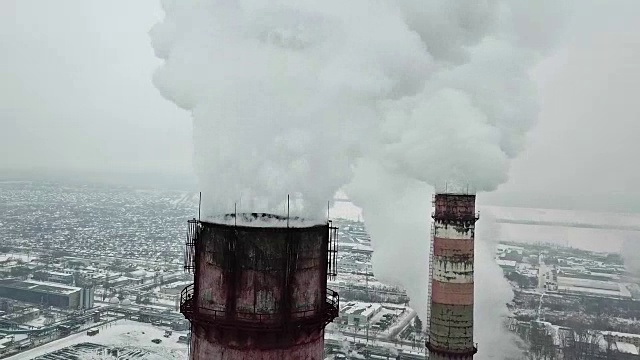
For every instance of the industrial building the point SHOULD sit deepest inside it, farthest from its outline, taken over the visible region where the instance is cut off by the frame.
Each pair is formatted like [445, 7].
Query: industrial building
[54, 276]
[549, 280]
[596, 288]
[358, 314]
[259, 287]
[450, 334]
[507, 266]
[618, 337]
[46, 293]
[87, 296]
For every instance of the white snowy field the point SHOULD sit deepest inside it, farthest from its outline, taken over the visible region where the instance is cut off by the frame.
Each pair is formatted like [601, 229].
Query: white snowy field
[123, 333]
[17, 256]
[344, 209]
[599, 240]
[568, 218]
[603, 232]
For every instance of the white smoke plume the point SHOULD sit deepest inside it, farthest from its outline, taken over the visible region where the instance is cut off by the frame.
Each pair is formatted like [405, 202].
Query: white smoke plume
[458, 133]
[283, 93]
[492, 293]
[389, 96]
[399, 228]
[287, 95]
[630, 252]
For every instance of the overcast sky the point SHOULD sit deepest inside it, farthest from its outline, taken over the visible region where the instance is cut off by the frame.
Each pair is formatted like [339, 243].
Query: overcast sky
[76, 93]
[586, 141]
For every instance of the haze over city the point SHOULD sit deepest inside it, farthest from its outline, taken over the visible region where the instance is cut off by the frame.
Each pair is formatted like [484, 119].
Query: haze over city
[78, 76]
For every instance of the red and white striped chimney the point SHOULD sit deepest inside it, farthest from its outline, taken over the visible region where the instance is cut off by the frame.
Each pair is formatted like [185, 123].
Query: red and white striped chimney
[450, 333]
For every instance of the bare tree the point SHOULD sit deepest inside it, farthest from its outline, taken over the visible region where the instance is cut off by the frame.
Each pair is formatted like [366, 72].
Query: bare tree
[541, 343]
[589, 345]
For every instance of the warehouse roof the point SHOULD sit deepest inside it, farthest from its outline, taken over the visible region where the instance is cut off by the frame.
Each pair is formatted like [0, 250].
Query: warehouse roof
[39, 286]
[507, 263]
[625, 347]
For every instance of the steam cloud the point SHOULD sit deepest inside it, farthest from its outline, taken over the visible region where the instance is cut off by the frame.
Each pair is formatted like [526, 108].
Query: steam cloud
[492, 293]
[631, 253]
[287, 96]
[284, 94]
[384, 97]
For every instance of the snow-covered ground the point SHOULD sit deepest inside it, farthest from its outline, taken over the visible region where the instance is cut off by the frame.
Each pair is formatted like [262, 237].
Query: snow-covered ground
[400, 324]
[601, 232]
[335, 337]
[123, 334]
[568, 218]
[581, 229]
[37, 322]
[15, 257]
[343, 209]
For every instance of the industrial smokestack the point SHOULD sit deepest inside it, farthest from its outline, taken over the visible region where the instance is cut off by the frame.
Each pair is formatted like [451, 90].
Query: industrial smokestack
[450, 333]
[259, 287]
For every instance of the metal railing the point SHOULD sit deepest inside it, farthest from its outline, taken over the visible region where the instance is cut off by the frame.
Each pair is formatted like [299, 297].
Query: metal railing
[332, 252]
[193, 232]
[193, 228]
[256, 320]
[332, 306]
[186, 300]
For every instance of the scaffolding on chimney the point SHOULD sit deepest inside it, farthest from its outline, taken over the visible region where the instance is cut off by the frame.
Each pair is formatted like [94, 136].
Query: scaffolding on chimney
[430, 282]
[332, 258]
[193, 229]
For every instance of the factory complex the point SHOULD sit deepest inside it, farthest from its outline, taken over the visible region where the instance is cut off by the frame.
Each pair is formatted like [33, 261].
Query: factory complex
[561, 295]
[254, 287]
[47, 293]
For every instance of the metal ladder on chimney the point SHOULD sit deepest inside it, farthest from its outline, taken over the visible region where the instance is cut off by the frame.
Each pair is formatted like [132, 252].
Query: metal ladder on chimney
[430, 280]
